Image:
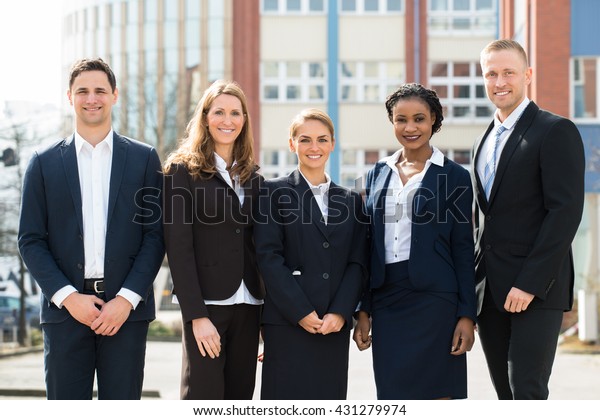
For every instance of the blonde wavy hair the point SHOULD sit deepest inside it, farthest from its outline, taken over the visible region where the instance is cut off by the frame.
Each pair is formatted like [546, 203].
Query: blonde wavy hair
[196, 149]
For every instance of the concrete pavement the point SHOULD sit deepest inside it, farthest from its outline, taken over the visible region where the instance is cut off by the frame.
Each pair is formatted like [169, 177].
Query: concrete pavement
[575, 376]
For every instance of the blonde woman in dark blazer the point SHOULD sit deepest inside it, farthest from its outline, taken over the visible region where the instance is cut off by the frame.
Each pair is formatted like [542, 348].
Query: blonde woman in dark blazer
[211, 188]
[312, 253]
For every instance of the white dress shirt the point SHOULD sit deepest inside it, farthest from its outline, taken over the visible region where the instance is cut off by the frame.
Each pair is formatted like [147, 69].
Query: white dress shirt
[94, 167]
[509, 124]
[321, 193]
[242, 295]
[398, 207]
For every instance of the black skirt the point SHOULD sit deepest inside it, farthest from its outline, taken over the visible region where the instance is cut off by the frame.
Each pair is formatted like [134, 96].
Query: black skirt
[302, 366]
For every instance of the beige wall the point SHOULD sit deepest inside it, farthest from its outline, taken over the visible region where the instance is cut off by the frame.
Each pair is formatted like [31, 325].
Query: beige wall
[376, 38]
[305, 38]
[457, 49]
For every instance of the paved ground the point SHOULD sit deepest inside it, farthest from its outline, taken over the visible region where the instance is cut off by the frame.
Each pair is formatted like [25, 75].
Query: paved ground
[575, 376]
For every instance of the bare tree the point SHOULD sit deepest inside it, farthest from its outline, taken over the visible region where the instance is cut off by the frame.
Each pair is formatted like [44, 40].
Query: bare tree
[18, 136]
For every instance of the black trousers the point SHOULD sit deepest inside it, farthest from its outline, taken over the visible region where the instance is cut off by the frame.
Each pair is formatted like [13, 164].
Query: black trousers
[74, 354]
[519, 349]
[232, 375]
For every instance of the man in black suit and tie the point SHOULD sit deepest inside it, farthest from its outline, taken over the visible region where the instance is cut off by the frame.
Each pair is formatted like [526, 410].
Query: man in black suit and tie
[528, 172]
[91, 236]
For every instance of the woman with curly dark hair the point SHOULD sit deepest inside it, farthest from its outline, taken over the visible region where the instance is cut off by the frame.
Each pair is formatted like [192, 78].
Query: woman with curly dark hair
[211, 190]
[421, 302]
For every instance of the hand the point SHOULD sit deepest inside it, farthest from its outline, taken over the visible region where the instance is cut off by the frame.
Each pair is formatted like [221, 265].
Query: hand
[517, 300]
[331, 323]
[84, 308]
[112, 316]
[361, 331]
[464, 336]
[311, 322]
[207, 337]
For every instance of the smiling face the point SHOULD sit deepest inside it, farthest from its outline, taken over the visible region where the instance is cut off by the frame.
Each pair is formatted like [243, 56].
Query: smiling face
[413, 121]
[312, 143]
[92, 99]
[225, 120]
[506, 77]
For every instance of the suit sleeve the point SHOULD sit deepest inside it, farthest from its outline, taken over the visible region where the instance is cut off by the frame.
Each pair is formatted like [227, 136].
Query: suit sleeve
[463, 254]
[179, 240]
[562, 166]
[355, 276]
[269, 233]
[152, 249]
[33, 232]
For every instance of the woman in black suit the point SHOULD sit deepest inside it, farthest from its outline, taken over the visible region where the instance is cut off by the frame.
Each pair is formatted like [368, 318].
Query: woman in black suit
[211, 189]
[422, 286]
[311, 248]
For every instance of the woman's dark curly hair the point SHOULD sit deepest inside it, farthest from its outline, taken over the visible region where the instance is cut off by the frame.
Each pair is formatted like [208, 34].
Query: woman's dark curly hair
[415, 90]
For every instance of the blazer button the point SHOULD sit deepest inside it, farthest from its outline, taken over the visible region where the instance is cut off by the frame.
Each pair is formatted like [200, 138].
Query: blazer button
[325, 276]
[488, 247]
[80, 266]
[488, 217]
[237, 230]
[325, 244]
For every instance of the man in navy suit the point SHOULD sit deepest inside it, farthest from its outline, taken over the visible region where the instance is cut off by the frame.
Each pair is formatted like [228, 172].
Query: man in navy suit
[528, 173]
[91, 236]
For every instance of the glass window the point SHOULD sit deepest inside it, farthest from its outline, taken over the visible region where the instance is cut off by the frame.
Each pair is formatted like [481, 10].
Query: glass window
[484, 5]
[438, 5]
[371, 5]
[439, 70]
[585, 88]
[171, 9]
[348, 5]
[371, 157]
[150, 10]
[316, 92]
[462, 4]
[293, 69]
[192, 8]
[371, 69]
[293, 5]
[270, 69]
[316, 70]
[271, 92]
[348, 157]
[171, 29]
[348, 69]
[394, 5]
[293, 92]
[316, 5]
[270, 5]
[192, 34]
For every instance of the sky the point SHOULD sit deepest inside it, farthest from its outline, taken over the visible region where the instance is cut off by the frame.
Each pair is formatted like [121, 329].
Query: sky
[30, 51]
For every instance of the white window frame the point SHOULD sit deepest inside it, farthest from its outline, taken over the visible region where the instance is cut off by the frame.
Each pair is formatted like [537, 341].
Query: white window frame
[575, 83]
[304, 8]
[472, 102]
[473, 16]
[381, 9]
[282, 81]
[359, 81]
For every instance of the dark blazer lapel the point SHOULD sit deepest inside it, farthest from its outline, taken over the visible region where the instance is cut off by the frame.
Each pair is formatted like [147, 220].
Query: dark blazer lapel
[119, 157]
[511, 144]
[431, 184]
[307, 202]
[379, 191]
[69, 157]
[338, 206]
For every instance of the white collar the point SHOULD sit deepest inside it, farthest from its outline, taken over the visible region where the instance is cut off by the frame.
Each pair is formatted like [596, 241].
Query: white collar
[437, 158]
[80, 141]
[323, 186]
[514, 116]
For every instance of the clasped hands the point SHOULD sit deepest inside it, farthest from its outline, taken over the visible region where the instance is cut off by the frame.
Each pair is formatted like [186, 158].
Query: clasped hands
[329, 324]
[104, 318]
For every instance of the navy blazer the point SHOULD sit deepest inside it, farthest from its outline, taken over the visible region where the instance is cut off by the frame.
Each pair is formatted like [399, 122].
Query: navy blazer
[51, 224]
[441, 251]
[308, 265]
[524, 231]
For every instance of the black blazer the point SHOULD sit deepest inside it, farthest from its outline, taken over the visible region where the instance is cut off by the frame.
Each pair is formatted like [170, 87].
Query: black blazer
[330, 260]
[524, 232]
[51, 224]
[209, 239]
